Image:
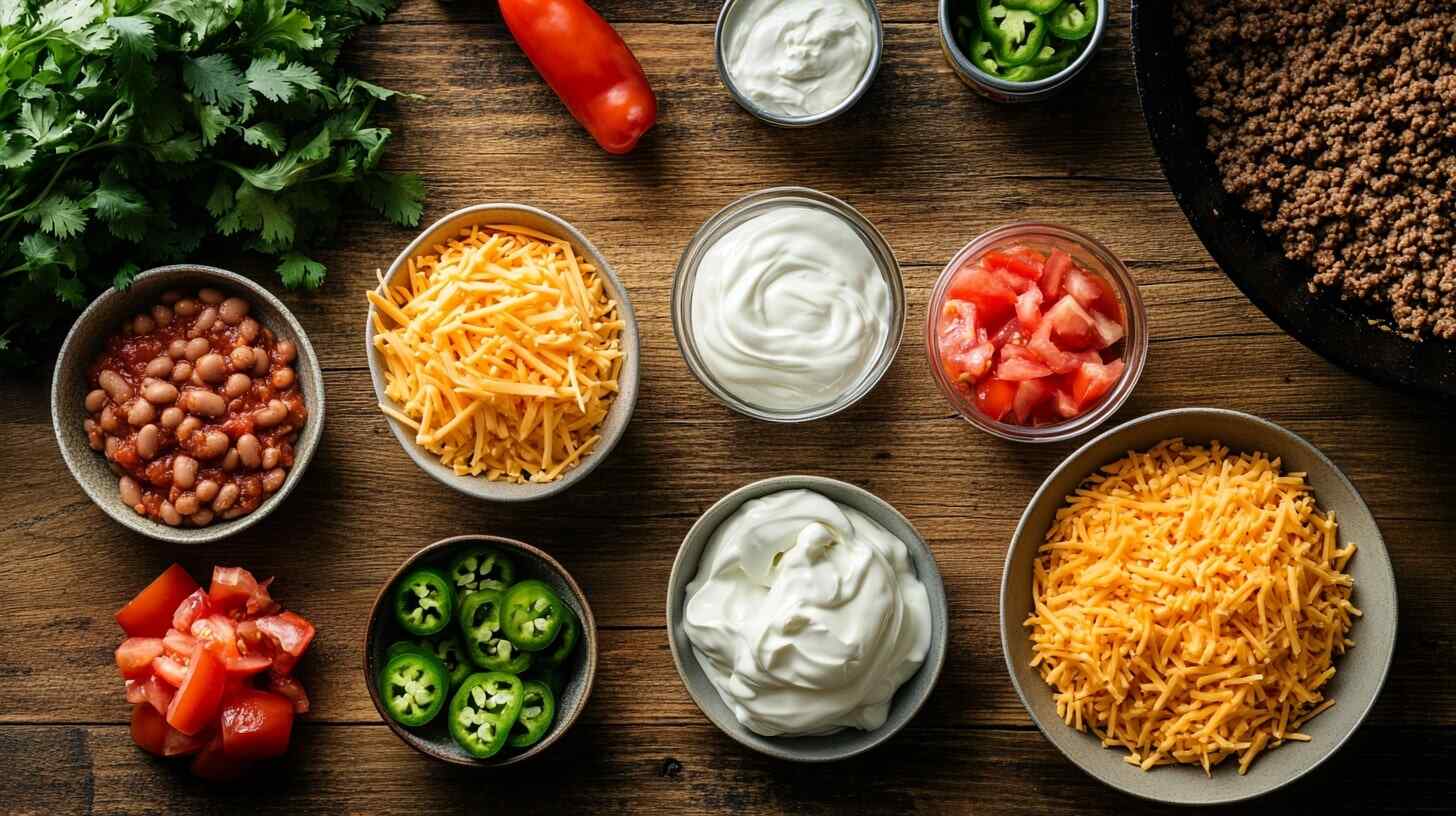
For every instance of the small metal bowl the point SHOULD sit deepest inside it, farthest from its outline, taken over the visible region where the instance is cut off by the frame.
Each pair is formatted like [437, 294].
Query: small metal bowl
[877, 48]
[1360, 672]
[433, 739]
[85, 341]
[618, 415]
[723, 221]
[997, 89]
[908, 698]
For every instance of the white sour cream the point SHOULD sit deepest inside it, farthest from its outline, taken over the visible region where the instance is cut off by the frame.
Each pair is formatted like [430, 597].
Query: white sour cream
[806, 615]
[790, 310]
[798, 57]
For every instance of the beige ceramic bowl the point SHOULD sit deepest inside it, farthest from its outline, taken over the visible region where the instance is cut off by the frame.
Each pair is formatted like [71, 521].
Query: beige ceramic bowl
[618, 416]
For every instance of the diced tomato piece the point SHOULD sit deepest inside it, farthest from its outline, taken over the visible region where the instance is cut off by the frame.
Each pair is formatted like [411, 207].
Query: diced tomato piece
[1071, 324]
[1026, 263]
[994, 298]
[1028, 309]
[148, 729]
[291, 634]
[135, 655]
[218, 634]
[1093, 380]
[1029, 394]
[1020, 363]
[1108, 303]
[968, 365]
[1067, 406]
[192, 607]
[200, 695]
[1054, 272]
[136, 692]
[958, 320]
[1107, 330]
[247, 665]
[250, 636]
[1010, 334]
[964, 351]
[235, 587]
[170, 670]
[158, 693]
[289, 687]
[1083, 286]
[213, 765]
[180, 744]
[256, 724]
[149, 614]
[178, 645]
[994, 398]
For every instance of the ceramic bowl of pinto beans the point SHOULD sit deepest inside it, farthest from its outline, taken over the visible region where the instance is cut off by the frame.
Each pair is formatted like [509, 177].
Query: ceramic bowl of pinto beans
[188, 405]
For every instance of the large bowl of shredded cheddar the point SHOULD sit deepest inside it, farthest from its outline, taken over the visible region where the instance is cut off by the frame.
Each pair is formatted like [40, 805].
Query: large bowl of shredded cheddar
[504, 352]
[1197, 607]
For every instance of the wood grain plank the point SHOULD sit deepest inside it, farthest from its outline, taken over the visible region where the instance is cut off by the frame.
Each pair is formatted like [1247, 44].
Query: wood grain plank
[597, 769]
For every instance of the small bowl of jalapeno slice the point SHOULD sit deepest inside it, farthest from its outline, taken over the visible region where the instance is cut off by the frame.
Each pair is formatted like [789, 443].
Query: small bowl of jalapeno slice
[480, 651]
[1019, 50]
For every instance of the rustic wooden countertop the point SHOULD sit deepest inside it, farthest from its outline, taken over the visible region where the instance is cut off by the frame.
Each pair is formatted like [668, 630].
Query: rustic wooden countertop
[932, 165]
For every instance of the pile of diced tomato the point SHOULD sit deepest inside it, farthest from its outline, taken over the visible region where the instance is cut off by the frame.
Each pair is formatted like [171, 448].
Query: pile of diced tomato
[1034, 338]
[210, 671]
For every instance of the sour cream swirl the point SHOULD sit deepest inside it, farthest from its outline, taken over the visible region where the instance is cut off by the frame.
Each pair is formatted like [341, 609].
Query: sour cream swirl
[806, 615]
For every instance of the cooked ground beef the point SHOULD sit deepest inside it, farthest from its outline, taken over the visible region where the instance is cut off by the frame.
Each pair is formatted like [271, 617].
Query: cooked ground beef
[1335, 122]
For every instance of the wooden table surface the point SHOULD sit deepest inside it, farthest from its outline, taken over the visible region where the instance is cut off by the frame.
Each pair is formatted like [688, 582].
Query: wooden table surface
[932, 165]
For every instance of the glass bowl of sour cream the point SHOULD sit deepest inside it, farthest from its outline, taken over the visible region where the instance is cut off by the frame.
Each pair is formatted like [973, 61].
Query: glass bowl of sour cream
[788, 305]
[796, 63]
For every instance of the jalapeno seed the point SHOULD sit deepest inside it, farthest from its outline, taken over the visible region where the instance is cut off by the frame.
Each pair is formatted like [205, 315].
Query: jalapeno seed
[95, 400]
[273, 479]
[131, 492]
[160, 367]
[159, 392]
[114, 385]
[249, 450]
[233, 310]
[148, 439]
[205, 403]
[140, 413]
[211, 368]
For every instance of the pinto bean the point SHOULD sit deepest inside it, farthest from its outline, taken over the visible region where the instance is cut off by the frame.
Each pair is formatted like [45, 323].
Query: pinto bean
[204, 322]
[270, 458]
[233, 310]
[273, 479]
[210, 296]
[171, 296]
[143, 324]
[131, 491]
[231, 461]
[201, 518]
[237, 385]
[114, 385]
[206, 403]
[187, 307]
[148, 440]
[196, 347]
[169, 514]
[286, 351]
[95, 400]
[187, 428]
[226, 498]
[248, 331]
[273, 414]
[207, 490]
[211, 367]
[160, 367]
[182, 372]
[113, 444]
[187, 504]
[184, 471]
[260, 362]
[250, 450]
[177, 349]
[172, 417]
[140, 413]
[162, 315]
[214, 444]
[282, 378]
[159, 392]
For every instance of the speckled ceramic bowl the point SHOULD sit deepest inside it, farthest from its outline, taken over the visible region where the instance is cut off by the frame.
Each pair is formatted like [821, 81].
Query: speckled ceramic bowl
[433, 739]
[842, 744]
[618, 416]
[1360, 672]
[86, 339]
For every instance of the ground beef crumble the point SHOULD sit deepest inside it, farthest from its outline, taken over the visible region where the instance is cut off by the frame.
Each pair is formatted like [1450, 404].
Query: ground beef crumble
[1335, 123]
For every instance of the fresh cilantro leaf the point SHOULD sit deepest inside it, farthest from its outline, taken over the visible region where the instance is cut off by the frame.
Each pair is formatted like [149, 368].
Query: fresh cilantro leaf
[301, 272]
[212, 122]
[260, 210]
[374, 9]
[115, 200]
[14, 151]
[58, 214]
[133, 36]
[216, 79]
[277, 81]
[400, 198]
[267, 136]
[39, 249]
[221, 200]
[125, 274]
[71, 291]
[177, 149]
[38, 120]
[69, 15]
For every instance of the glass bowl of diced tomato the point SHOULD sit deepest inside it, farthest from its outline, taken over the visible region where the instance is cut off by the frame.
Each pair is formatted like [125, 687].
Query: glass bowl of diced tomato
[1036, 332]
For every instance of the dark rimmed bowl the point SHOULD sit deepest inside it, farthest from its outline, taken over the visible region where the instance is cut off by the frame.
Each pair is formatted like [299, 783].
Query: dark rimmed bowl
[433, 739]
[1356, 340]
[87, 338]
[1359, 673]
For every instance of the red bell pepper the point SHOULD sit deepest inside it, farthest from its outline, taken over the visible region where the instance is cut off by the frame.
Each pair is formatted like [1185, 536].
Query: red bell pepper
[586, 63]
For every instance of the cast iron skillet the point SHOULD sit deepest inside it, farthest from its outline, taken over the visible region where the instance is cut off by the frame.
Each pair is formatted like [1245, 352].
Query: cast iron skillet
[1340, 332]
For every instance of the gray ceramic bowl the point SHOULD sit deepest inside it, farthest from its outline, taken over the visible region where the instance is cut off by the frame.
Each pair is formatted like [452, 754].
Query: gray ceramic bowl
[1360, 672]
[849, 742]
[433, 739]
[86, 339]
[617, 416]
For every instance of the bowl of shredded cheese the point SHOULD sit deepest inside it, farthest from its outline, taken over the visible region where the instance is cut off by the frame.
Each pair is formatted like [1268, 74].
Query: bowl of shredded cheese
[504, 352]
[1197, 607]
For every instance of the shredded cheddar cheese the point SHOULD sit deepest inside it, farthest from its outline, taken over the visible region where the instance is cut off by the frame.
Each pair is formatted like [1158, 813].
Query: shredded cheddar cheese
[501, 351]
[1188, 604]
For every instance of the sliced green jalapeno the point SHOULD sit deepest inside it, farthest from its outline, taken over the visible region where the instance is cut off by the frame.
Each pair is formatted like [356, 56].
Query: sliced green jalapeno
[485, 644]
[1016, 35]
[549, 676]
[531, 615]
[414, 686]
[565, 641]
[1074, 20]
[538, 709]
[483, 711]
[1033, 6]
[445, 646]
[404, 646]
[424, 600]
[481, 567]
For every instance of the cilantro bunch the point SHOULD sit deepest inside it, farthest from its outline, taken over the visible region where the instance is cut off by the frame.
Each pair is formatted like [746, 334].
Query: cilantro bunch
[133, 130]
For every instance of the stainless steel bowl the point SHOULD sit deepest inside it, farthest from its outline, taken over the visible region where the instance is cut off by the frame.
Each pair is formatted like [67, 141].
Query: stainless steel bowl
[999, 90]
[877, 47]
